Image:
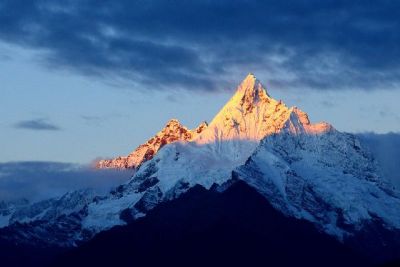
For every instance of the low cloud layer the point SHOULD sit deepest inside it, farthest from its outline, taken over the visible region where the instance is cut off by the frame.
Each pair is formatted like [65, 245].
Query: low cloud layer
[199, 45]
[386, 149]
[40, 180]
[36, 125]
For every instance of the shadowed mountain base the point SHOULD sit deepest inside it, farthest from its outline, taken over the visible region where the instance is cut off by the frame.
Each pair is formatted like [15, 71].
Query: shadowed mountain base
[205, 228]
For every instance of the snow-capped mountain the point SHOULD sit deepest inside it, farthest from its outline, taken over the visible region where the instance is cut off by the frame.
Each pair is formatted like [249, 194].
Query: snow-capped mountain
[305, 170]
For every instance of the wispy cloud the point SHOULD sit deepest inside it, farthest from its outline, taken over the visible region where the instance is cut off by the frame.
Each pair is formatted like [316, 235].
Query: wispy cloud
[199, 45]
[92, 120]
[40, 180]
[98, 120]
[327, 104]
[36, 125]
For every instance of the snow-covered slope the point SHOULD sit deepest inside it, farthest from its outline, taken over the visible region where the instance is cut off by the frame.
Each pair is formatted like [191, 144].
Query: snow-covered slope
[172, 132]
[7, 209]
[309, 171]
[324, 178]
[51, 222]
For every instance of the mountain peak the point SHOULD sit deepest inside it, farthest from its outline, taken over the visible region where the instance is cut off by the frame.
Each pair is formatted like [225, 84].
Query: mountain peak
[173, 122]
[251, 114]
[249, 78]
[249, 81]
[251, 90]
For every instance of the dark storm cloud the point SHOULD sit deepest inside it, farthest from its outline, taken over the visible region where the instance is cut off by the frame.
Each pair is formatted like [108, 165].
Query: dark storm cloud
[40, 180]
[36, 125]
[199, 44]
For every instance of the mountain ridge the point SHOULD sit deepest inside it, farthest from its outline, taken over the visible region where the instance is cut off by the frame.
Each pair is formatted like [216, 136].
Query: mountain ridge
[173, 131]
[250, 114]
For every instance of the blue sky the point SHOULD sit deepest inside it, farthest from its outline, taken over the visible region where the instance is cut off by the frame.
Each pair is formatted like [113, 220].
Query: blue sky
[78, 82]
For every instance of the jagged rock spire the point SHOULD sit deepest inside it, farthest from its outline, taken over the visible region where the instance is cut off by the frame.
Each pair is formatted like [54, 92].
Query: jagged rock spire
[249, 115]
[251, 89]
